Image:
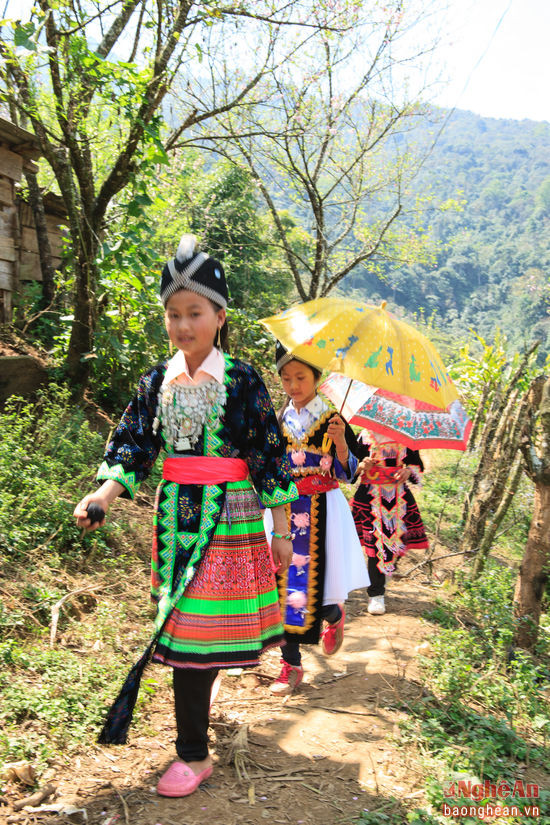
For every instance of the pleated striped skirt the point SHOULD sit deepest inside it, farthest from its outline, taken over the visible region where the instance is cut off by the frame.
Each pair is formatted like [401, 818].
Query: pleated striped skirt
[229, 613]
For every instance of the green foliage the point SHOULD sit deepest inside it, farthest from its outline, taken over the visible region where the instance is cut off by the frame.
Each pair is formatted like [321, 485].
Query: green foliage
[447, 480]
[488, 712]
[487, 715]
[49, 693]
[459, 742]
[488, 248]
[543, 196]
[444, 484]
[130, 334]
[249, 340]
[482, 366]
[54, 700]
[442, 614]
[483, 715]
[479, 364]
[225, 214]
[219, 204]
[47, 456]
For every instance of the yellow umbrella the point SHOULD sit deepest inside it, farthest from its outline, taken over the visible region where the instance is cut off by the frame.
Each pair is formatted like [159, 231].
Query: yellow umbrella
[365, 343]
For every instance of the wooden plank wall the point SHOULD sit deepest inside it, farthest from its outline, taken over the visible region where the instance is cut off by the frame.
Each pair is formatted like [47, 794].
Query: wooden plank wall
[30, 261]
[11, 167]
[19, 260]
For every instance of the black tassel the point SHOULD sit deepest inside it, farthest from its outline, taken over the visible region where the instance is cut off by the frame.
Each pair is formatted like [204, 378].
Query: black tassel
[115, 729]
[119, 718]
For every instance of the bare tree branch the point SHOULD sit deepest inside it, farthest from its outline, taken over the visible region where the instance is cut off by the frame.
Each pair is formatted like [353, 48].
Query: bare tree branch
[155, 92]
[117, 27]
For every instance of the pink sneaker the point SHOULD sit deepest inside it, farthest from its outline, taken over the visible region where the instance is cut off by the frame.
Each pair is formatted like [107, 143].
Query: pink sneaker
[333, 635]
[288, 680]
[179, 780]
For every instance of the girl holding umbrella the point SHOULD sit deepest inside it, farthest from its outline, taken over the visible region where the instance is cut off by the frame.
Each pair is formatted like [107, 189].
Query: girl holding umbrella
[388, 378]
[327, 561]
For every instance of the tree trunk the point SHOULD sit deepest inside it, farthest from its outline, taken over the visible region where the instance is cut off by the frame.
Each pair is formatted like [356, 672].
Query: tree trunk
[492, 527]
[486, 499]
[44, 249]
[489, 483]
[535, 565]
[480, 412]
[533, 573]
[81, 341]
[498, 445]
[494, 417]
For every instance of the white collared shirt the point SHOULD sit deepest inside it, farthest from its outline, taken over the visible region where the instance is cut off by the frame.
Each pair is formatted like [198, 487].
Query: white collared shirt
[213, 366]
[299, 422]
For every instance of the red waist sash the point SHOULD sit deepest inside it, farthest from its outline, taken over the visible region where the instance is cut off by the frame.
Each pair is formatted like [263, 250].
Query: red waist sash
[380, 475]
[204, 469]
[309, 485]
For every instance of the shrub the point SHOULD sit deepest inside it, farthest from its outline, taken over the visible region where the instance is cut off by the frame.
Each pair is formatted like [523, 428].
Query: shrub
[48, 456]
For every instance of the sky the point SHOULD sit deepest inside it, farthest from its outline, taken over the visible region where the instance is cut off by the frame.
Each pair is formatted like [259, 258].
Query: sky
[497, 58]
[494, 56]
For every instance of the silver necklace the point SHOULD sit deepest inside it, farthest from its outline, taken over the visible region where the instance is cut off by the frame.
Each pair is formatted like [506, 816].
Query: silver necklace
[184, 410]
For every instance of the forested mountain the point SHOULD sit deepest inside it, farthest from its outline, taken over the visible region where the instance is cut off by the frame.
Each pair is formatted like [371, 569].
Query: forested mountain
[489, 217]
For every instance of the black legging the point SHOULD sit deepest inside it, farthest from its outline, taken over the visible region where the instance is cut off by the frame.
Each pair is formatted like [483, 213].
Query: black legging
[291, 651]
[192, 702]
[377, 585]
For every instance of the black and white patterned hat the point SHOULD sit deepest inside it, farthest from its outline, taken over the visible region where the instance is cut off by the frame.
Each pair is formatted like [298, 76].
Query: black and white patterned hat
[194, 271]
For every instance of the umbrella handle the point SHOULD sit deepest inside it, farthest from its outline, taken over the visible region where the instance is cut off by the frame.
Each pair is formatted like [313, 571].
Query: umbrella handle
[327, 441]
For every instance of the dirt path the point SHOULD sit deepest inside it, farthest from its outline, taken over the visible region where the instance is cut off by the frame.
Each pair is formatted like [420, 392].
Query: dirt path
[320, 756]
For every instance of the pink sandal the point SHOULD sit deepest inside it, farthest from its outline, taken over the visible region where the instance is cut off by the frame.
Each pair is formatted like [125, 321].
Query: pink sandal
[179, 780]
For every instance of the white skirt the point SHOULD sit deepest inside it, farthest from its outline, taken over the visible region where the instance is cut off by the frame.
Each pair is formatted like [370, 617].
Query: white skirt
[345, 567]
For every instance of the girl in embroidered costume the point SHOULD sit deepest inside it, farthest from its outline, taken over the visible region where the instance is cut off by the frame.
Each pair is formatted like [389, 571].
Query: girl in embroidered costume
[212, 576]
[327, 561]
[384, 510]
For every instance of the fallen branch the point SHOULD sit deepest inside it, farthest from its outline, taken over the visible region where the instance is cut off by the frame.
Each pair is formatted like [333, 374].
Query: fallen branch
[374, 774]
[343, 710]
[469, 552]
[239, 753]
[435, 558]
[36, 798]
[282, 774]
[34, 318]
[311, 788]
[283, 778]
[124, 803]
[45, 543]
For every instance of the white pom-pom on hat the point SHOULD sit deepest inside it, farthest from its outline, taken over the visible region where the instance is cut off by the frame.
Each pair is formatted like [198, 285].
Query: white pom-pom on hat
[187, 248]
[194, 271]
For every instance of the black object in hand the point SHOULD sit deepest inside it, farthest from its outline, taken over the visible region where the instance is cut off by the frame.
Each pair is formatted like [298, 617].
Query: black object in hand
[95, 513]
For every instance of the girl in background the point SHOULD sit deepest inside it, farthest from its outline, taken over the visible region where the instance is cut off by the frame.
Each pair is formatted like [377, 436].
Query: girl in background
[212, 577]
[386, 516]
[327, 561]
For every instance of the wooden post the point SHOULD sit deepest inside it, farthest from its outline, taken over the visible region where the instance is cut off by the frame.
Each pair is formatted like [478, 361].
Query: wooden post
[535, 565]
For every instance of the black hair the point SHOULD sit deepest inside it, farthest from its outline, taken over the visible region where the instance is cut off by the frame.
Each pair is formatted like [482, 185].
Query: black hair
[317, 376]
[317, 373]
